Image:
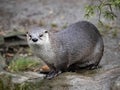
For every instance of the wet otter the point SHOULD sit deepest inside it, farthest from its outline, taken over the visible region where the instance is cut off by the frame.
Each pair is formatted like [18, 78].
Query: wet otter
[79, 45]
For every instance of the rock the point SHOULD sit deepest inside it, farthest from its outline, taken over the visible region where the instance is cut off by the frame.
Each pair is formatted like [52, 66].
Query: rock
[14, 38]
[101, 80]
[2, 63]
[25, 81]
[1, 40]
[116, 84]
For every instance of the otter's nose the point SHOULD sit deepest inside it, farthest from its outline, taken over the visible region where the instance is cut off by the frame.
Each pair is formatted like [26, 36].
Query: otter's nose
[34, 39]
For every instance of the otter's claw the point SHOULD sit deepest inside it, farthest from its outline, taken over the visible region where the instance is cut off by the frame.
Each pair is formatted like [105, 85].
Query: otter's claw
[52, 74]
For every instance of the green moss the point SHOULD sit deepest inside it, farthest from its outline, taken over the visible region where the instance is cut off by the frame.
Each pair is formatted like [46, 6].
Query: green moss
[114, 33]
[58, 83]
[64, 26]
[22, 64]
[40, 85]
[25, 86]
[5, 82]
[54, 25]
[1, 85]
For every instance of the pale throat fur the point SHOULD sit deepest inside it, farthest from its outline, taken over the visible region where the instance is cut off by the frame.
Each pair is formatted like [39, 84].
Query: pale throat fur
[44, 50]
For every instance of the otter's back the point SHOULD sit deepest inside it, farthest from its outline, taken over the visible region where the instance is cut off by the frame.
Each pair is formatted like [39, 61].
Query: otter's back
[79, 39]
[81, 32]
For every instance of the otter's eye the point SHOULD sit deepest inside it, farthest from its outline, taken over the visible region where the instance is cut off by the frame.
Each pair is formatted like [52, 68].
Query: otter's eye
[46, 31]
[30, 37]
[41, 35]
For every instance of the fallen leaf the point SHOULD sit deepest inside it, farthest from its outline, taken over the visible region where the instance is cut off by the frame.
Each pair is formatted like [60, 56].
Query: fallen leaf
[45, 68]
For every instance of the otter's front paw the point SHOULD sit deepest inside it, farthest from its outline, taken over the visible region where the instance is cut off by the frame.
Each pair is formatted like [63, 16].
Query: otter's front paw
[52, 74]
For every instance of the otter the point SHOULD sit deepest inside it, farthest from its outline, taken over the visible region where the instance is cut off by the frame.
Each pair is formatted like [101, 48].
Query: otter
[80, 45]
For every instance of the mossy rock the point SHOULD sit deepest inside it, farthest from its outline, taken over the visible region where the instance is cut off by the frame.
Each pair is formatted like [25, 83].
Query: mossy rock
[65, 81]
[2, 63]
[30, 81]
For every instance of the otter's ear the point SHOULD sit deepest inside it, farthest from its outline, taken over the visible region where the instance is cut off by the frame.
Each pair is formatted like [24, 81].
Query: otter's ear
[46, 31]
[27, 32]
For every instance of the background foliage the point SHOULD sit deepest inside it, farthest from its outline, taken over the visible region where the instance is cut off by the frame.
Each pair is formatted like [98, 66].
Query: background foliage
[105, 8]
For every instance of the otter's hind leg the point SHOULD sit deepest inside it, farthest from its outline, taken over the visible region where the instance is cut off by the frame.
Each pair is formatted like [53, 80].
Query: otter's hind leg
[96, 56]
[73, 68]
[52, 74]
[93, 60]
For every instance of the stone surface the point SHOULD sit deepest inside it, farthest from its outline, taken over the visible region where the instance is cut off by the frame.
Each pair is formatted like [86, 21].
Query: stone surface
[116, 84]
[67, 81]
[24, 81]
[2, 63]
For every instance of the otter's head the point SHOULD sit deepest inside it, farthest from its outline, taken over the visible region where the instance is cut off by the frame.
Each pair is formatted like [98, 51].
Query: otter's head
[37, 36]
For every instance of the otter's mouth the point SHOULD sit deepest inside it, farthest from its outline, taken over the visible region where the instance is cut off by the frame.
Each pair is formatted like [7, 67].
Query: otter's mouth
[34, 44]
